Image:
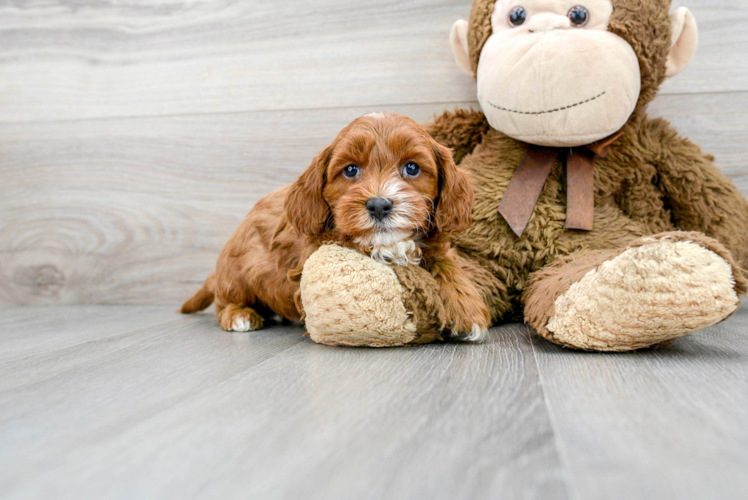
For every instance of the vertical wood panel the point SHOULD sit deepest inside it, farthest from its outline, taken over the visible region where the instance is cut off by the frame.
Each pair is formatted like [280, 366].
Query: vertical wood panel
[90, 59]
[135, 210]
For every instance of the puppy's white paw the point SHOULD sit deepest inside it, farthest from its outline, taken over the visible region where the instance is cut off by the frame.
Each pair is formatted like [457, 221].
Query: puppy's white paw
[477, 335]
[243, 325]
[240, 325]
[235, 318]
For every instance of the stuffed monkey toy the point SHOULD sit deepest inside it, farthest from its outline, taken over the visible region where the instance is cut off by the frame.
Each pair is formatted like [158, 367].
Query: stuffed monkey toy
[600, 227]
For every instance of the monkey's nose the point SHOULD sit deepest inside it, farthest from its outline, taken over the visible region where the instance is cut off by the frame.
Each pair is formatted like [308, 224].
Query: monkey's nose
[379, 208]
[547, 22]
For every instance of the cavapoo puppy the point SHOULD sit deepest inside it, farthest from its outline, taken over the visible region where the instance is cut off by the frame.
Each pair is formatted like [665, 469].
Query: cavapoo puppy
[384, 187]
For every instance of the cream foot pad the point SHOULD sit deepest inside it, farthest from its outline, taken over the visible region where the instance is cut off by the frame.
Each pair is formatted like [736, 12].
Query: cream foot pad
[648, 294]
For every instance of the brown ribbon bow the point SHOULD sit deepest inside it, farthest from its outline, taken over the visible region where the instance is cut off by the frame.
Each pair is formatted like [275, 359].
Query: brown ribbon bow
[524, 189]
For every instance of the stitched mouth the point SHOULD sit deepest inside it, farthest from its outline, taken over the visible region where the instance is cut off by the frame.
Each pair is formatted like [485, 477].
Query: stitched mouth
[549, 111]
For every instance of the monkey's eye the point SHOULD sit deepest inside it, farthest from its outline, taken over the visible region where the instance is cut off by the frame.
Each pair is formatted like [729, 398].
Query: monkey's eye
[517, 16]
[579, 16]
[351, 171]
[411, 170]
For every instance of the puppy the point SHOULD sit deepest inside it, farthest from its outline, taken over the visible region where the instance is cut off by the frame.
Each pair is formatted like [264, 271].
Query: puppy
[384, 187]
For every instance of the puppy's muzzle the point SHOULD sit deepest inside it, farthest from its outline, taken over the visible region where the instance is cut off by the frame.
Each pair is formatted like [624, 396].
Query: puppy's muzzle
[379, 208]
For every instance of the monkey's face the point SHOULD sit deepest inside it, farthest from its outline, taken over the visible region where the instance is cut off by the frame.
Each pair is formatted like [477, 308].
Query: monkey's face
[552, 74]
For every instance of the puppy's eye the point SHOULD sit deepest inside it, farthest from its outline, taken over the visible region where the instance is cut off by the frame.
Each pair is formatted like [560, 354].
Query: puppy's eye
[411, 170]
[579, 16]
[351, 171]
[517, 16]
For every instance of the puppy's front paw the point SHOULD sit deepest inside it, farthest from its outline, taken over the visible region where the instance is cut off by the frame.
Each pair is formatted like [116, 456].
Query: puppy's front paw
[240, 319]
[468, 318]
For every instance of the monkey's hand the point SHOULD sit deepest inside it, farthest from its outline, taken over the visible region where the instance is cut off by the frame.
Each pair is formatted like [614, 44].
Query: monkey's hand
[351, 299]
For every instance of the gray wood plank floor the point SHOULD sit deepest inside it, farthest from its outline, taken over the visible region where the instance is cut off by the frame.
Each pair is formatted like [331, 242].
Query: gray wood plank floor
[138, 402]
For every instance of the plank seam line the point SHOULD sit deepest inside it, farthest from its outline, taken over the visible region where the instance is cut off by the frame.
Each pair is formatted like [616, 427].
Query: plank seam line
[135, 342]
[98, 339]
[237, 112]
[322, 108]
[569, 478]
[213, 387]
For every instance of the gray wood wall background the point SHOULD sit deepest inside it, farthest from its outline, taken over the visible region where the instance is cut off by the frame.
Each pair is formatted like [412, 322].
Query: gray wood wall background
[136, 134]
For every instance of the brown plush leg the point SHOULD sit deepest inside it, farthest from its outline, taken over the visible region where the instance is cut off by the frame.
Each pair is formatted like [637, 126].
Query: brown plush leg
[656, 289]
[551, 282]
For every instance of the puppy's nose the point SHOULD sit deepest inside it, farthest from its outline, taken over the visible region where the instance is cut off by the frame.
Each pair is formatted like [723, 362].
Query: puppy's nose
[379, 208]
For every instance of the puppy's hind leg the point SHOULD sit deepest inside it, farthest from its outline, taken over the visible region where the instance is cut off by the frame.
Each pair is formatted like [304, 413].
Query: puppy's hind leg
[236, 318]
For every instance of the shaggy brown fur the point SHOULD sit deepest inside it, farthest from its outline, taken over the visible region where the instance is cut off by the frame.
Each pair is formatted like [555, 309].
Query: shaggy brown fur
[257, 274]
[652, 181]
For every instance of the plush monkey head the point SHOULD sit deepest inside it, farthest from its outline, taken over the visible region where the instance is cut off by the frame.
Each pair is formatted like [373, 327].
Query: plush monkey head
[570, 72]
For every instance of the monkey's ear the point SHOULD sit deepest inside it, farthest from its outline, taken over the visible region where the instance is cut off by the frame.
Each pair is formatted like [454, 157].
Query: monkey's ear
[685, 39]
[460, 48]
[456, 196]
[306, 208]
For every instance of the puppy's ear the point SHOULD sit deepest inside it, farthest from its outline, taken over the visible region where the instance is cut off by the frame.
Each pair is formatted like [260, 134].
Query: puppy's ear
[456, 196]
[306, 208]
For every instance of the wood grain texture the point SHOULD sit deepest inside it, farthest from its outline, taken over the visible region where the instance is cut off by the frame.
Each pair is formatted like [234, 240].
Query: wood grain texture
[62, 60]
[184, 410]
[133, 208]
[28, 332]
[135, 211]
[668, 423]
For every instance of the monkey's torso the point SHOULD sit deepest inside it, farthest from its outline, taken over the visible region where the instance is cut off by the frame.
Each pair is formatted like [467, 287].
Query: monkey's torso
[628, 205]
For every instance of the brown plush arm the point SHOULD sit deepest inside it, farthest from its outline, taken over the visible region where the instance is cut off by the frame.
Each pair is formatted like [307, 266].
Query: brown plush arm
[700, 196]
[460, 130]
